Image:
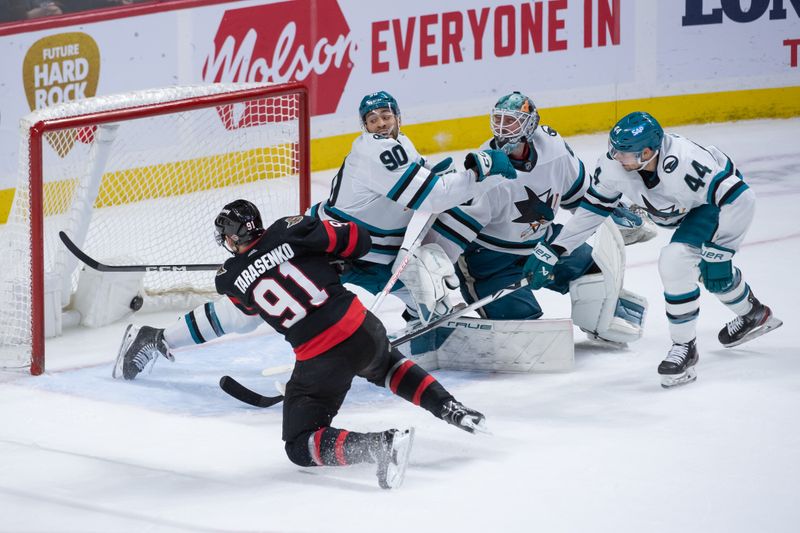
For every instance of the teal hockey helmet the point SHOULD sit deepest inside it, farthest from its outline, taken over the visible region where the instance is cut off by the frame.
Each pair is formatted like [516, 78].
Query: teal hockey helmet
[514, 119]
[634, 132]
[378, 100]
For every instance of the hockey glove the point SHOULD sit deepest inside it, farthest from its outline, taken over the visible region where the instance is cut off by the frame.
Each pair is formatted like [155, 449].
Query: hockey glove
[716, 268]
[445, 166]
[539, 266]
[490, 162]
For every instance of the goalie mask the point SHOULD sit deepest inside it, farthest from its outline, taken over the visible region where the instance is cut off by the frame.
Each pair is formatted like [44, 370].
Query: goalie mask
[514, 119]
[380, 105]
[631, 135]
[239, 220]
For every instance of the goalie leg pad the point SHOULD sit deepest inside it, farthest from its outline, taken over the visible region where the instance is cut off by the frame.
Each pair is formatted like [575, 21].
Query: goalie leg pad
[106, 297]
[476, 344]
[430, 277]
[600, 306]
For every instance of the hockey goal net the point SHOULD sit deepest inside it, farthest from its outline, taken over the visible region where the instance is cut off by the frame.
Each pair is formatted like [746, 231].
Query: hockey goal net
[138, 178]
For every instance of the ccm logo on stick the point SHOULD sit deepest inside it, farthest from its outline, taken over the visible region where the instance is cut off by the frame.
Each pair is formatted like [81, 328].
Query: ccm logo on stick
[165, 269]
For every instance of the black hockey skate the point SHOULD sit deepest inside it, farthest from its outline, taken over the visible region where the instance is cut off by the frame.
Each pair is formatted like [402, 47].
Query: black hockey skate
[463, 417]
[391, 453]
[747, 327]
[678, 367]
[140, 345]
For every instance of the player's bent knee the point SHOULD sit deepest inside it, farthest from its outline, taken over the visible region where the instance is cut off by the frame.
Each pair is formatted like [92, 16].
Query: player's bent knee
[677, 262]
[297, 451]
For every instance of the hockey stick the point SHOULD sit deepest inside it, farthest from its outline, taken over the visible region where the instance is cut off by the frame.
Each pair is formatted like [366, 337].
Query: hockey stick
[96, 265]
[457, 313]
[407, 245]
[242, 393]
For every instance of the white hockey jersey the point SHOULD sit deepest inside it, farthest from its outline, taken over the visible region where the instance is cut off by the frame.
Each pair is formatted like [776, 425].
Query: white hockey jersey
[514, 216]
[382, 181]
[687, 176]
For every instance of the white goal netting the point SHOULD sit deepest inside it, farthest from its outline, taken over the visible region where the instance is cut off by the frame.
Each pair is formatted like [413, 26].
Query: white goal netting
[137, 180]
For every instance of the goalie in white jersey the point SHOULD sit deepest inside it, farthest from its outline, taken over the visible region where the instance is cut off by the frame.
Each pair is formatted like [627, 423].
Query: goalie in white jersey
[699, 193]
[496, 231]
[381, 184]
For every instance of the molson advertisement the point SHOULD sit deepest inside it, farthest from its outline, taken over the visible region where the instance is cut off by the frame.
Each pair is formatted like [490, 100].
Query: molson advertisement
[583, 62]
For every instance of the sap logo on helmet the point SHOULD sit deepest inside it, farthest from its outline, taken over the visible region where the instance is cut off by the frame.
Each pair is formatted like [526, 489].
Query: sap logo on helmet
[637, 130]
[670, 164]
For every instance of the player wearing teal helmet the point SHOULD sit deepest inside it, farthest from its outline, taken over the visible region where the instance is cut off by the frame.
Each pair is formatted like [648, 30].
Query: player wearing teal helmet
[635, 140]
[380, 114]
[699, 193]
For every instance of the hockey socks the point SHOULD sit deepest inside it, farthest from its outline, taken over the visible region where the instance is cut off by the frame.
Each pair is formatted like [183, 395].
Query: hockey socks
[414, 384]
[328, 446]
[338, 447]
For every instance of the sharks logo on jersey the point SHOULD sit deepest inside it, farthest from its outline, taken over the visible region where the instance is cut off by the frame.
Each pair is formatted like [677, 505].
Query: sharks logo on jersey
[669, 212]
[536, 210]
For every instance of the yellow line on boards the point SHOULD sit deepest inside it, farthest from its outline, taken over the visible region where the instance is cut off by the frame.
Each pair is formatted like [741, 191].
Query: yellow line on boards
[471, 132]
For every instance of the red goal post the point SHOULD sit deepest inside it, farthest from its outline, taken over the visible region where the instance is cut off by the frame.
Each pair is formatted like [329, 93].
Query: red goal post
[139, 177]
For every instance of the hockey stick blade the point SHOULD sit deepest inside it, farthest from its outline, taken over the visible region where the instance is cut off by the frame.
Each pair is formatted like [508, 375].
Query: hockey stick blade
[96, 265]
[243, 394]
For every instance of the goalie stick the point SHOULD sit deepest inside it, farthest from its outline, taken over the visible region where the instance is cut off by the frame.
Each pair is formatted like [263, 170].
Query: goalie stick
[242, 393]
[102, 267]
[407, 245]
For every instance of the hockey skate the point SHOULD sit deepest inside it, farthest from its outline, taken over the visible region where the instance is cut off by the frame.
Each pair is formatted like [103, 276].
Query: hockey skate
[392, 453]
[747, 327]
[678, 367]
[140, 345]
[463, 417]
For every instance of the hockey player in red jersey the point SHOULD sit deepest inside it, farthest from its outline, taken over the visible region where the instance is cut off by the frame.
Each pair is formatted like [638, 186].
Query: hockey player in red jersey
[284, 276]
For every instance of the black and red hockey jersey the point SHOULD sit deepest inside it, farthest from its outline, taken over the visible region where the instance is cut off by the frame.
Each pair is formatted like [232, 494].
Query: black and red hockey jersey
[287, 278]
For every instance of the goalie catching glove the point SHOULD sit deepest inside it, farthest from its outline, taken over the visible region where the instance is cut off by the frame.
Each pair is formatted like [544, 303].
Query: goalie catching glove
[429, 276]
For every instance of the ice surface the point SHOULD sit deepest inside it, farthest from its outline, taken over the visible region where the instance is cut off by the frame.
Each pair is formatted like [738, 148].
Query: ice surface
[603, 448]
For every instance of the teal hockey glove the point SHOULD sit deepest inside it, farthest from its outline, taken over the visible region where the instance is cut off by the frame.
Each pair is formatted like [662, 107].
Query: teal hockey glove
[539, 266]
[716, 268]
[445, 166]
[490, 162]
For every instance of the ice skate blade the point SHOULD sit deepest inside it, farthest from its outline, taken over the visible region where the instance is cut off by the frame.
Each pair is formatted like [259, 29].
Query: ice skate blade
[127, 339]
[401, 451]
[766, 327]
[473, 427]
[669, 381]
